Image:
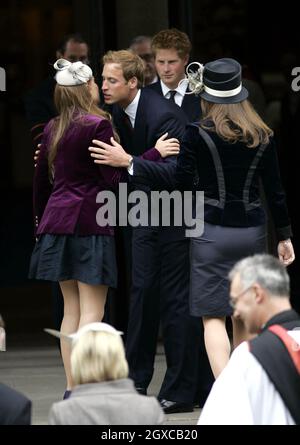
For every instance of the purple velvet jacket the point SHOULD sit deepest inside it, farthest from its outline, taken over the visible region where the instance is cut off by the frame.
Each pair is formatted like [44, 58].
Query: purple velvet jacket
[69, 204]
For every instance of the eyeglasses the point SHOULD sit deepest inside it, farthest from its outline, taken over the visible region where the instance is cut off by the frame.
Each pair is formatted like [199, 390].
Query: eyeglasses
[233, 301]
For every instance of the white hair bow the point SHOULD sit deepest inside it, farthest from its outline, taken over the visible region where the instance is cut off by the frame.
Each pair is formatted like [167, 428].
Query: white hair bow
[69, 73]
[194, 78]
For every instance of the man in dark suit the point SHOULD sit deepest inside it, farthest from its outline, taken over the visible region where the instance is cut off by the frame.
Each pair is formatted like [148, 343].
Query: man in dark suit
[15, 408]
[160, 269]
[141, 45]
[39, 102]
[171, 49]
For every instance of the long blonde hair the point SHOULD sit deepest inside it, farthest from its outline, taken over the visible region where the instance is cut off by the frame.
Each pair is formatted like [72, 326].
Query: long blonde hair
[235, 122]
[72, 103]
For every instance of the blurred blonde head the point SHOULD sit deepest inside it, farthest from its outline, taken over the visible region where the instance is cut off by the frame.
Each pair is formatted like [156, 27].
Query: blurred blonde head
[97, 357]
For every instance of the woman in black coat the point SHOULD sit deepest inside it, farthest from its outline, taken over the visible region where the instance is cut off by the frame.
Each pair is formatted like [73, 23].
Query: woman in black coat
[229, 152]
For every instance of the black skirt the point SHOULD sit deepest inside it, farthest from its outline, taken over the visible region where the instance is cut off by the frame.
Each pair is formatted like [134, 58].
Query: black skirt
[89, 259]
[213, 254]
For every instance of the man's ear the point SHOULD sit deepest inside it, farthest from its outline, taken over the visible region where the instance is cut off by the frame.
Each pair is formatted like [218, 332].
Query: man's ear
[259, 293]
[133, 82]
[59, 55]
[186, 59]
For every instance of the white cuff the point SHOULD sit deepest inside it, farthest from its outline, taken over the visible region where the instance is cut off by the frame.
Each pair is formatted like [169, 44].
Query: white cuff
[130, 168]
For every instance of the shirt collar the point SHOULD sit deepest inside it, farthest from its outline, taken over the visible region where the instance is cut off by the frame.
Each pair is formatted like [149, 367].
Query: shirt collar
[281, 317]
[131, 109]
[181, 89]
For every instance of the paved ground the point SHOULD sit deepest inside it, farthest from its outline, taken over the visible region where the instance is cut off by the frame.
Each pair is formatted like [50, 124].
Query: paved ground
[37, 372]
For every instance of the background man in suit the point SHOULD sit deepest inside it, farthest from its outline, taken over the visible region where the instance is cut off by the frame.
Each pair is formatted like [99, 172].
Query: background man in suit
[15, 408]
[141, 45]
[160, 270]
[171, 49]
[39, 102]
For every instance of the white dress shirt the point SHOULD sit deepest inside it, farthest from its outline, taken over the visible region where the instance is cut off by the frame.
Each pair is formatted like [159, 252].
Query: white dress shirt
[244, 395]
[132, 108]
[180, 92]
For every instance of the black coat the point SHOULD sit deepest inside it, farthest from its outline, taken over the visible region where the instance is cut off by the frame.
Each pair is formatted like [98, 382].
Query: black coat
[229, 175]
[15, 408]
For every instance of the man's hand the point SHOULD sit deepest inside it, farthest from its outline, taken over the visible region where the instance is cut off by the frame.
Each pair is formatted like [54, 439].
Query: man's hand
[286, 252]
[36, 154]
[167, 147]
[113, 155]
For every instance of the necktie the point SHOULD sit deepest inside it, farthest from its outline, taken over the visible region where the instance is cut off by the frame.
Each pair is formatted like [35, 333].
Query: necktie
[127, 121]
[172, 95]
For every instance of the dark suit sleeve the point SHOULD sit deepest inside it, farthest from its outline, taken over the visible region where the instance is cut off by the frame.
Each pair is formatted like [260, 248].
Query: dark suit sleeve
[158, 175]
[111, 175]
[15, 408]
[274, 192]
[23, 415]
[169, 123]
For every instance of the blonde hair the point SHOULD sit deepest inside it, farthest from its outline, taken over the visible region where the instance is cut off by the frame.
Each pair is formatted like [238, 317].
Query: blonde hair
[235, 122]
[98, 356]
[132, 65]
[72, 104]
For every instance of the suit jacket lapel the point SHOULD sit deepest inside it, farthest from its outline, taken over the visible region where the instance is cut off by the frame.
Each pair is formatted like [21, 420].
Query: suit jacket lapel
[157, 87]
[123, 129]
[140, 133]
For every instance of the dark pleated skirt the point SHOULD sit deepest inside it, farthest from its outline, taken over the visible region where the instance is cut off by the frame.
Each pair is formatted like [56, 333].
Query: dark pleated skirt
[89, 259]
[213, 255]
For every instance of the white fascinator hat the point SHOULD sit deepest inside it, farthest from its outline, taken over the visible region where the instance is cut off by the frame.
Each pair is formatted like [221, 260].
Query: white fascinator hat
[91, 327]
[71, 74]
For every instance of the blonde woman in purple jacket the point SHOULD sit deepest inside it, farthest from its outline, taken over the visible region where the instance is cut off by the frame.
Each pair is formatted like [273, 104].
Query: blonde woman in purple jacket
[71, 247]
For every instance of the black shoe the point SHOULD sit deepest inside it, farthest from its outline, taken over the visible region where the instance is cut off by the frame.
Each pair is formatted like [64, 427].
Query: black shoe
[140, 390]
[170, 407]
[67, 394]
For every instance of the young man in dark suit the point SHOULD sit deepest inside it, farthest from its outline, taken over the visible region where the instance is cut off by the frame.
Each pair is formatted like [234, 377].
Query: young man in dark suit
[171, 49]
[160, 267]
